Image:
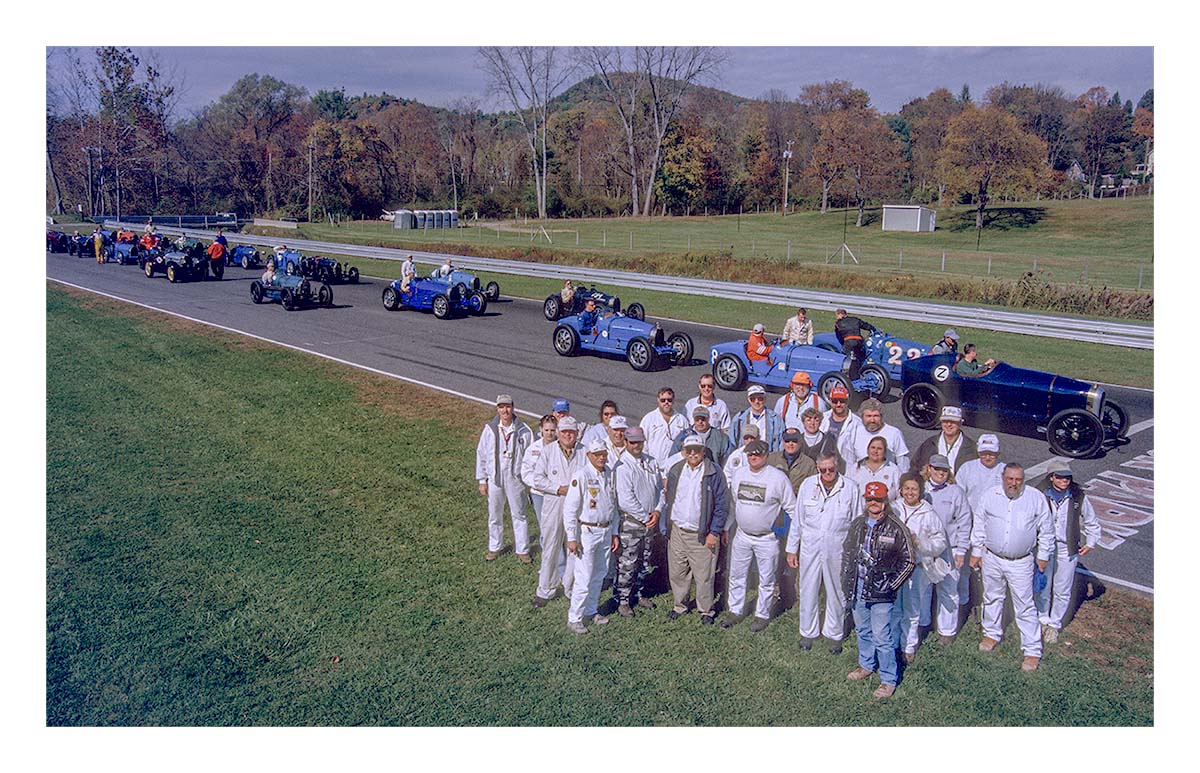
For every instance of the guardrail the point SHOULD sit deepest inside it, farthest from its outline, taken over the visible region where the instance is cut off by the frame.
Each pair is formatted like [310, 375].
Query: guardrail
[1091, 331]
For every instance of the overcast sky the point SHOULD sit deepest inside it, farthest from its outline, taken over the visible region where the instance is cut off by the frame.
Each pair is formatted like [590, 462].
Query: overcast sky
[892, 76]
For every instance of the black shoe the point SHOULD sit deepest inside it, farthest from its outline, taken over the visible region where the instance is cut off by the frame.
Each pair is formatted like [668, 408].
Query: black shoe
[707, 619]
[730, 620]
[835, 647]
[806, 644]
[759, 624]
[539, 602]
[673, 615]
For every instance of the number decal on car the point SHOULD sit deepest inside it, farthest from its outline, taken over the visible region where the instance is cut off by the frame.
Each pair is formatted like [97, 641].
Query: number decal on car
[894, 353]
[914, 353]
[941, 372]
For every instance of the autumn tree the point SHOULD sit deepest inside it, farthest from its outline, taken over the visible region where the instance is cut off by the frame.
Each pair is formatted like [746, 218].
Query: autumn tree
[986, 148]
[1042, 110]
[1100, 130]
[927, 120]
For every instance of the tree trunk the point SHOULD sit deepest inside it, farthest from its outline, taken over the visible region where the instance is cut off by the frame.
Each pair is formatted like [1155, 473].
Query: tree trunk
[58, 199]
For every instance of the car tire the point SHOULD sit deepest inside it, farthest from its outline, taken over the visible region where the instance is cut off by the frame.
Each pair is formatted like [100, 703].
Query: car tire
[391, 298]
[682, 344]
[880, 375]
[637, 311]
[353, 274]
[256, 291]
[325, 295]
[148, 267]
[552, 308]
[921, 405]
[834, 379]
[478, 303]
[1115, 420]
[640, 354]
[615, 304]
[1075, 433]
[287, 299]
[492, 291]
[566, 341]
[246, 262]
[729, 372]
[172, 273]
[200, 271]
[441, 306]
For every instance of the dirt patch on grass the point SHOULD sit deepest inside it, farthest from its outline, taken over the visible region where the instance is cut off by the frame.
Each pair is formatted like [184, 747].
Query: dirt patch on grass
[1116, 632]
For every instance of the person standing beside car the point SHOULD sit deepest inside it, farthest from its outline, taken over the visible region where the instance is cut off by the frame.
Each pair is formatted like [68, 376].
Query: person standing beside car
[951, 442]
[216, 256]
[849, 331]
[798, 330]
[1074, 517]
[948, 344]
[498, 456]
[718, 410]
[408, 272]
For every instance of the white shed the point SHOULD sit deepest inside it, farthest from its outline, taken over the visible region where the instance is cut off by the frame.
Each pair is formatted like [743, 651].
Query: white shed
[908, 217]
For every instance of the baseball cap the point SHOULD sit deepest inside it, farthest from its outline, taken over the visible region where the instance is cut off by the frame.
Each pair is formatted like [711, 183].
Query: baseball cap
[635, 434]
[699, 410]
[504, 400]
[568, 424]
[1059, 468]
[693, 441]
[750, 430]
[618, 422]
[940, 462]
[561, 405]
[875, 490]
[596, 445]
[758, 328]
[950, 334]
[988, 443]
[755, 389]
[839, 392]
[791, 434]
[800, 377]
[757, 447]
[952, 413]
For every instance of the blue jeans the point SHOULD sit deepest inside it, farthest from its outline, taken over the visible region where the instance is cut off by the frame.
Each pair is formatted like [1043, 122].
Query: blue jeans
[876, 639]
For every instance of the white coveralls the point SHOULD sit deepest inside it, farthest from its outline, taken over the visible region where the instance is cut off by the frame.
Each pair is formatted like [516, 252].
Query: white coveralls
[758, 499]
[553, 470]
[498, 459]
[950, 504]
[590, 517]
[1006, 533]
[930, 539]
[1055, 599]
[975, 479]
[854, 445]
[528, 462]
[818, 531]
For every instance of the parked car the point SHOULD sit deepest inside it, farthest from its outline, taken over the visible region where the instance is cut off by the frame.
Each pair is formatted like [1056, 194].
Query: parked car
[328, 270]
[490, 290]
[554, 309]
[1075, 417]
[882, 349]
[57, 241]
[733, 370]
[642, 344]
[289, 262]
[430, 294]
[179, 265]
[291, 291]
[245, 256]
[79, 245]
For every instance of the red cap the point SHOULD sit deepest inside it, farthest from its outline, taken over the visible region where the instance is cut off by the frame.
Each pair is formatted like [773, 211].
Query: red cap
[876, 490]
[839, 392]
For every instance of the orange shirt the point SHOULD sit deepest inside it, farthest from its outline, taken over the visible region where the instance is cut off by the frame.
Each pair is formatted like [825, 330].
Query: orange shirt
[216, 251]
[757, 347]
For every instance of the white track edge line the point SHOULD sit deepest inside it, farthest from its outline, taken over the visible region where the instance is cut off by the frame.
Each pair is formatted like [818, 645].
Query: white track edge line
[331, 358]
[1114, 580]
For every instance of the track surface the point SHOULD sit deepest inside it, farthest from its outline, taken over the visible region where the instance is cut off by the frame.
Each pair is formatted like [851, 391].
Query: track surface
[508, 350]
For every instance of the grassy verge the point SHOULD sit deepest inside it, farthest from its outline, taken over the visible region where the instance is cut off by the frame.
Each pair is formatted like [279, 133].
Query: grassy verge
[1094, 362]
[244, 535]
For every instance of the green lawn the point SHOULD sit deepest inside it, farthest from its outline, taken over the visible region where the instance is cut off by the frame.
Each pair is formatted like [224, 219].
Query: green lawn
[1100, 242]
[245, 535]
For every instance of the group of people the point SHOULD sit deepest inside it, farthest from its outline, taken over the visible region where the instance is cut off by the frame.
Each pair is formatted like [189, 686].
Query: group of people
[817, 498]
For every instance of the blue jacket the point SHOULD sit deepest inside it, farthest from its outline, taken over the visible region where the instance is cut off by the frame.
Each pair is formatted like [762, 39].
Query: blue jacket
[714, 499]
[774, 438]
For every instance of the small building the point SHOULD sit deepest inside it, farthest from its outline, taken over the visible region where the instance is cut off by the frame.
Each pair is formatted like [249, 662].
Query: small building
[908, 217]
[403, 218]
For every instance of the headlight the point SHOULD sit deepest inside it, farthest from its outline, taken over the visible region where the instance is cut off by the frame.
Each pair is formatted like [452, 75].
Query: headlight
[1095, 399]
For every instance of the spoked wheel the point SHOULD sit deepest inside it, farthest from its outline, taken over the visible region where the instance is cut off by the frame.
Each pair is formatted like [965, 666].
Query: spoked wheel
[637, 311]
[922, 406]
[325, 295]
[441, 306]
[291, 269]
[478, 303]
[552, 307]
[879, 383]
[729, 372]
[353, 275]
[1075, 433]
[1115, 421]
[172, 273]
[256, 291]
[639, 354]
[492, 291]
[391, 298]
[246, 262]
[682, 344]
[566, 340]
[288, 299]
[834, 379]
[148, 267]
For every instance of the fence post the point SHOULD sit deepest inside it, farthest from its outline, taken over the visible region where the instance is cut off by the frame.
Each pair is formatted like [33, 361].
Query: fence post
[943, 261]
[1035, 264]
[1085, 267]
[631, 240]
[752, 253]
[689, 242]
[789, 257]
[989, 265]
[576, 237]
[1140, 270]
[604, 233]
[901, 257]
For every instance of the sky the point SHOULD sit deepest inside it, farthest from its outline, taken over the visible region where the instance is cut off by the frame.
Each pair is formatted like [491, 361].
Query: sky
[440, 76]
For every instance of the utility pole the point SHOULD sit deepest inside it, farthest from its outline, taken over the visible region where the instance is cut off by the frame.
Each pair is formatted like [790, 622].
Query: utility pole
[310, 154]
[787, 162]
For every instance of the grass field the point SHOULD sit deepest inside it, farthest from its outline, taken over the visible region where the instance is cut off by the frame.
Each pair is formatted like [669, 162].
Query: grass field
[1095, 362]
[1106, 242]
[243, 535]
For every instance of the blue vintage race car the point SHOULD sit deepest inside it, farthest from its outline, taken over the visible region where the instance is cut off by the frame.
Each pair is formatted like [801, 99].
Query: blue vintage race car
[328, 270]
[179, 264]
[289, 262]
[426, 294]
[732, 369]
[641, 343]
[491, 290]
[883, 349]
[553, 307]
[292, 292]
[245, 256]
[1074, 416]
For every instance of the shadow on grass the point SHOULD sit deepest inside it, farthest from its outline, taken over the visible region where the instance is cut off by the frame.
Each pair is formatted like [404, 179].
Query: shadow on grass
[996, 219]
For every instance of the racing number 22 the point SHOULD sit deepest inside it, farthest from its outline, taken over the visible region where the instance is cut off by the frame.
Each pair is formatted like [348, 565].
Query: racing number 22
[895, 351]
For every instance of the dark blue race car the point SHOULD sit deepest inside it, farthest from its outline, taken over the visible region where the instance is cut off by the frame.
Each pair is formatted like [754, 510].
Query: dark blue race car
[641, 343]
[292, 292]
[554, 308]
[491, 290]
[180, 261]
[430, 294]
[1075, 417]
[733, 369]
[328, 270]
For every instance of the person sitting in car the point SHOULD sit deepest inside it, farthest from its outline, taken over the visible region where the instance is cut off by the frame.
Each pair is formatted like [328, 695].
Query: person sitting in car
[269, 275]
[567, 294]
[757, 348]
[969, 364]
[590, 316]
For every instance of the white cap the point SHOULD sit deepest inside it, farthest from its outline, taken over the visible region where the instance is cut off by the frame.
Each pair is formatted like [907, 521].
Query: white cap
[693, 441]
[758, 328]
[595, 445]
[568, 424]
[988, 443]
[755, 389]
[952, 413]
[618, 422]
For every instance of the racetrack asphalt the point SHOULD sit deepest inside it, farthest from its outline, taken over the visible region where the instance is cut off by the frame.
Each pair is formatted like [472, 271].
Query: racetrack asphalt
[508, 350]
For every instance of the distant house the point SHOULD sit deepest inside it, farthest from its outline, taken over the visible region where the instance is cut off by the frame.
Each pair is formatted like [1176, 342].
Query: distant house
[1108, 181]
[1075, 173]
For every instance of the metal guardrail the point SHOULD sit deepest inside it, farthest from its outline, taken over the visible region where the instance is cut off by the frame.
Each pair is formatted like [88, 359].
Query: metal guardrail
[1087, 330]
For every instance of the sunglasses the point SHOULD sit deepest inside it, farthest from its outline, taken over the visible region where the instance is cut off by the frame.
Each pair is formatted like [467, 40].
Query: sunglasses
[666, 399]
[826, 470]
[755, 453]
[700, 418]
[836, 401]
[756, 398]
[706, 386]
